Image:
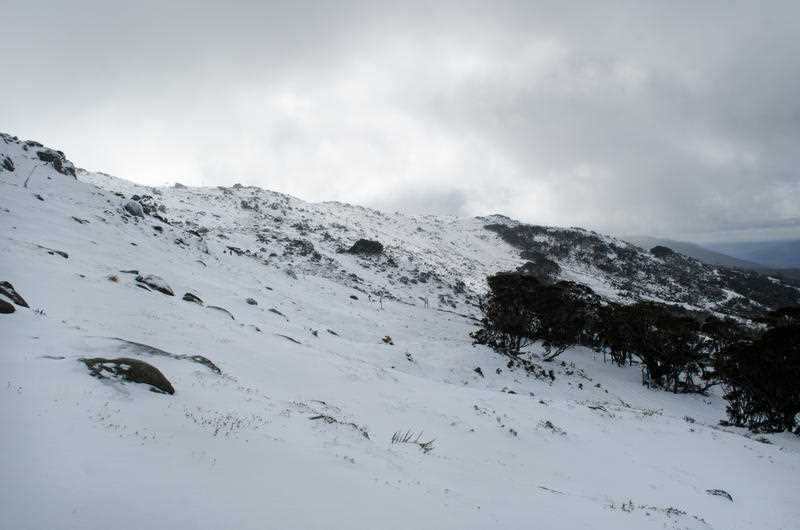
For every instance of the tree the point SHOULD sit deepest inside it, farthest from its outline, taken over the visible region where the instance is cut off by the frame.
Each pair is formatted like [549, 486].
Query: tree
[761, 378]
[509, 321]
[666, 341]
[521, 309]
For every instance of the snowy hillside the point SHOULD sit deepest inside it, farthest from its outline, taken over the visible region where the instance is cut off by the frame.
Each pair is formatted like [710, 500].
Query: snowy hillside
[294, 362]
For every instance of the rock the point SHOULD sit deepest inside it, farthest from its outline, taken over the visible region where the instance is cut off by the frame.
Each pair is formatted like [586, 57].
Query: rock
[6, 308]
[221, 310]
[57, 160]
[251, 301]
[179, 186]
[134, 208]
[155, 282]
[144, 349]
[720, 493]
[130, 370]
[366, 247]
[273, 310]
[8, 164]
[660, 251]
[189, 297]
[287, 337]
[8, 290]
[479, 371]
[353, 297]
[54, 252]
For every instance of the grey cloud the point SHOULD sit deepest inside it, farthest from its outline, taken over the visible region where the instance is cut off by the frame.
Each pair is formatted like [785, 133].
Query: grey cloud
[661, 118]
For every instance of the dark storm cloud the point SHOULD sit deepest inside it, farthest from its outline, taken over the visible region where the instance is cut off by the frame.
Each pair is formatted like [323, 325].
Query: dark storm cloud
[664, 118]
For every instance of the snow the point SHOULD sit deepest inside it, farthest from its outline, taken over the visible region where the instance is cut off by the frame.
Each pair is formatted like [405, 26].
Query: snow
[239, 450]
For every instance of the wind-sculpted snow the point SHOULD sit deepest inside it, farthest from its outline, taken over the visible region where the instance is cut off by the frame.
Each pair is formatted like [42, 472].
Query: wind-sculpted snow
[284, 416]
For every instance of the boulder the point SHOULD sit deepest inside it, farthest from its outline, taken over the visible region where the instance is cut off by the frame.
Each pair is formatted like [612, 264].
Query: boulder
[189, 297]
[9, 292]
[57, 160]
[366, 247]
[8, 164]
[129, 370]
[155, 282]
[251, 301]
[661, 251]
[134, 208]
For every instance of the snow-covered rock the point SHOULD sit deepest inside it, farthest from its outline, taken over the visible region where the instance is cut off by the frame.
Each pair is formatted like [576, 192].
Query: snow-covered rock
[134, 208]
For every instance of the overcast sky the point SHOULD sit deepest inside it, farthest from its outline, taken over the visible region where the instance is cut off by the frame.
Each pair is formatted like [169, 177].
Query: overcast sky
[665, 118]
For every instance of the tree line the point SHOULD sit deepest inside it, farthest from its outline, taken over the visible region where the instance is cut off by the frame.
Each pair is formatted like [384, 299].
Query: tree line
[757, 363]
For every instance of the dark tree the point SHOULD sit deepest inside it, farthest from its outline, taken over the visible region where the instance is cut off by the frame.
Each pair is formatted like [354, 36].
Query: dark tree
[521, 309]
[666, 340]
[761, 378]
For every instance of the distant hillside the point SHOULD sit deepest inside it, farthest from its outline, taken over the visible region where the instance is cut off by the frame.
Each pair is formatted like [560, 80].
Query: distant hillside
[777, 254]
[694, 251]
[712, 257]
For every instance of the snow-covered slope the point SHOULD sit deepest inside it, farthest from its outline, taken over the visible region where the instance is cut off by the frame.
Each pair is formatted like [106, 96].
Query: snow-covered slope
[294, 429]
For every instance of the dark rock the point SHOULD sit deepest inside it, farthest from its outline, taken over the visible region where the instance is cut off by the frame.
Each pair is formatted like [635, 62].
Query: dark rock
[353, 297]
[221, 310]
[155, 282]
[273, 310]
[8, 164]
[57, 160]
[287, 337]
[134, 208]
[179, 186]
[250, 301]
[720, 493]
[189, 297]
[6, 308]
[8, 290]
[130, 370]
[54, 252]
[660, 251]
[366, 247]
[79, 220]
[479, 371]
[39, 197]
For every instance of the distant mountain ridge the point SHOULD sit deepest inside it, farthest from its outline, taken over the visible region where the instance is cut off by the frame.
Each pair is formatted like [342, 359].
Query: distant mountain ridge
[775, 254]
[713, 257]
